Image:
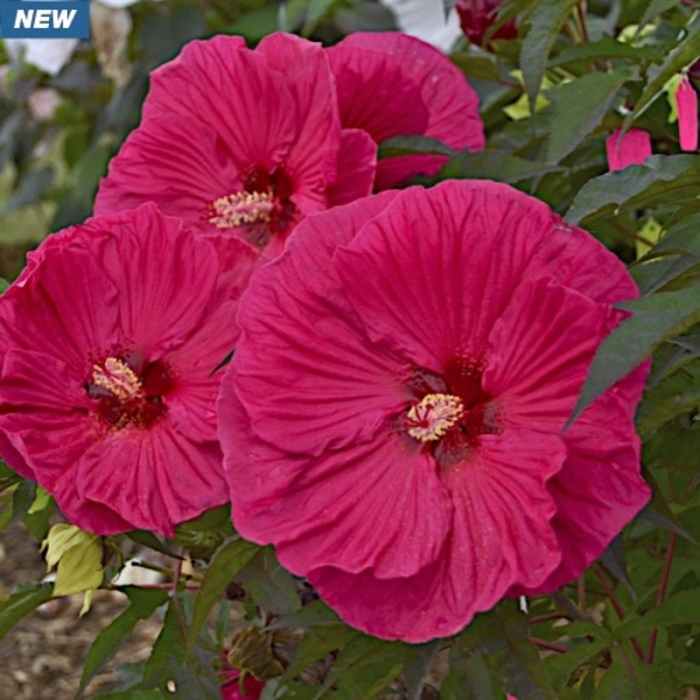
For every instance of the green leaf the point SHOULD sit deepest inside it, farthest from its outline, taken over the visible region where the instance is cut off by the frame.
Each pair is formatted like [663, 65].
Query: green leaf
[31, 188]
[628, 678]
[613, 561]
[364, 667]
[316, 643]
[683, 608]
[476, 66]
[494, 165]
[231, 557]
[606, 48]
[654, 319]
[579, 107]
[660, 180]
[418, 659]
[272, 587]
[78, 555]
[674, 446]
[194, 676]
[469, 677]
[312, 615]
[20, 604]
[655, 8]
[4, 284]
[682, 56]
[545, 22]
[148, 539]
[413, 145]
[501, 639]
[677, 394]
[144, 603]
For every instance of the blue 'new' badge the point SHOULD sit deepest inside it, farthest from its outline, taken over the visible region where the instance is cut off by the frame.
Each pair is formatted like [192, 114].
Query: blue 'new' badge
[44, 19]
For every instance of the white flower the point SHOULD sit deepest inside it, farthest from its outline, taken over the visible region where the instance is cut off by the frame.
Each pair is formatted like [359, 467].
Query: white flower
[425, 19]
[48, 55]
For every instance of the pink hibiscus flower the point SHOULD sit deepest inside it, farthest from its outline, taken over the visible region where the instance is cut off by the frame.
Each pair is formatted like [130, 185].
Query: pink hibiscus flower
[232, 689]
[476, 17]
[394, 422]
[391, 84]
[108, 341]
[631, 148]
[239, 140]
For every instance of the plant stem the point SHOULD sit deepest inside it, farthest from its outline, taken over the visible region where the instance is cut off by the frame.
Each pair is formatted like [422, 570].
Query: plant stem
[175, 602]
[550, 646]
[663, 585]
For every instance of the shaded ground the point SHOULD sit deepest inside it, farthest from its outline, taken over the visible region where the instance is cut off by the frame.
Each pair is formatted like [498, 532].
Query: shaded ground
[42, 657]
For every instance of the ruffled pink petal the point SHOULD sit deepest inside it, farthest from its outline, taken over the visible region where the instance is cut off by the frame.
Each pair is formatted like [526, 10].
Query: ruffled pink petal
[501, 533]
[342, 514]
[160, 310]
[311, 161]
[177, 163]
[420, 282]
[65, 316]
[572, 257]
[598, 491]
[631, 148]
[540, 351]
[687, 103]
[391, 84]
[153, 478]
[331, 387]
[45, 420]
[357, 164]
[221, 84]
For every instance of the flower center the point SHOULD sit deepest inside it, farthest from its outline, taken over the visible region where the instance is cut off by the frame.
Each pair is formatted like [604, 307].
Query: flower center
[116, 377]
[433, 415]
[241, 208]
[261, 209]
[127, 391]
[450, 411]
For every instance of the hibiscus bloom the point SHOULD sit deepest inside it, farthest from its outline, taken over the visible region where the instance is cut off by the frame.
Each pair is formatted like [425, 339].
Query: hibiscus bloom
[631, 148]
[242, 141]
[394, 422]
[108, 342]
[391, 84]
[476, 17]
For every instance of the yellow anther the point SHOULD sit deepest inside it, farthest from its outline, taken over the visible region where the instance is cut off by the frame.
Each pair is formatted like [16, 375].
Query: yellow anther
[241, 208]
[433, 416]
[118, 378]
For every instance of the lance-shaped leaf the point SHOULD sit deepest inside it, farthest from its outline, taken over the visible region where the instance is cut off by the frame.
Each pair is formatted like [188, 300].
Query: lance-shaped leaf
[231, 557]
[413, 145]
[654, 319]
[661, 180]
[545, 22]
[143, 604]
[579, 107]
[494, 165]
[20, 604]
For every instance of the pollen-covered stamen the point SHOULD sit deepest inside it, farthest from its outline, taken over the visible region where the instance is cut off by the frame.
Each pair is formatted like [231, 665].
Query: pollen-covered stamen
[433, 416]
[118, 378]
[241, 208]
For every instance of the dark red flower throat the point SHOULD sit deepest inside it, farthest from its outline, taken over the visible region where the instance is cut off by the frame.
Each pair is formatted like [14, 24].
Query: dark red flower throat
[450, 411]
[263, 208]
[127, 390]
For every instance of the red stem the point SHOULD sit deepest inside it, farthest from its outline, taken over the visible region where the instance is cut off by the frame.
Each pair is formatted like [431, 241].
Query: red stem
[663, 585]
[551, 646]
